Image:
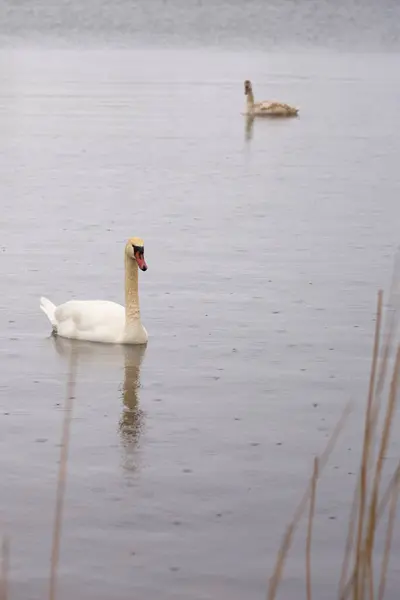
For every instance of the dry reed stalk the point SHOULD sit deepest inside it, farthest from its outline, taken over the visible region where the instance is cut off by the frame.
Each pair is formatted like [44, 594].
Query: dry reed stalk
[5, 567]
[370, 422]
[387, 426]
[62, 475]
[309, 528]
[287, 538]
[363, 568]
[365, 514]
[387, 496]
[389, 533]
[391, 324]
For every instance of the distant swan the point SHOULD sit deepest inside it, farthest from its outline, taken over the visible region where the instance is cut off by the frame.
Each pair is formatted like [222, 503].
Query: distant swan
[100, 320]
[265, 109]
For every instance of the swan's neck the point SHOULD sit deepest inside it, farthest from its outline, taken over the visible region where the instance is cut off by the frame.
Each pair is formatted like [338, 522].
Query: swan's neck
[250, 99]
[132, 310]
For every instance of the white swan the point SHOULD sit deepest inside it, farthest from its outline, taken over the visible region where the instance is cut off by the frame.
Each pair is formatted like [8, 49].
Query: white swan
[100, 320]
[266, 109]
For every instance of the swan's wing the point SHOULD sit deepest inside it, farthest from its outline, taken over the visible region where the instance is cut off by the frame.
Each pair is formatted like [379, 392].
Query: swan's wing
[88, 316]
[275, 107]
[282, 106]
[266, 105]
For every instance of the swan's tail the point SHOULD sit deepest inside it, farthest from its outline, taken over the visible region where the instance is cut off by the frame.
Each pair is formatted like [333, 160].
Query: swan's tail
[49, 309]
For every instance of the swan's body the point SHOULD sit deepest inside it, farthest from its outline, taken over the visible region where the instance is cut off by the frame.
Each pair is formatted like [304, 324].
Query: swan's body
[266, 108]
[100, 320]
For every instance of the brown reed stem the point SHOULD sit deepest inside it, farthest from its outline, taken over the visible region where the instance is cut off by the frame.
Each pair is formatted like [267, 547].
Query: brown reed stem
[394, 481]
[391, 323]
[389, 533]
[5, 568]
[288, 536]
[371, 525]
[368, 433]
[309, 529]
[62, 476]
[377, 507]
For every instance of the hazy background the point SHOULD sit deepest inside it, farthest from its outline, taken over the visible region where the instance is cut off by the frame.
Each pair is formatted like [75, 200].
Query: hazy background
[347, 25]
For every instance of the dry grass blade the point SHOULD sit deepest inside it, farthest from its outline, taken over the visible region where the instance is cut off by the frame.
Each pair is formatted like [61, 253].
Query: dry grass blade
[5, 567]
[367, 507]
[62, 475]
[387, 426]
[389, 533]
[309, 529]
[370, 424]
[363, 568]
[387, 496]
[287, 538]
[391, 324]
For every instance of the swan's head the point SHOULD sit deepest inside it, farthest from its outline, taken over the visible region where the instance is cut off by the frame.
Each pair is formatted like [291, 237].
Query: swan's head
[135, 250]
[247, 87]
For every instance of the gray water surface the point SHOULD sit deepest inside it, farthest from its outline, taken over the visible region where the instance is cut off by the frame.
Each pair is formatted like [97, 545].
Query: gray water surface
[266, 245]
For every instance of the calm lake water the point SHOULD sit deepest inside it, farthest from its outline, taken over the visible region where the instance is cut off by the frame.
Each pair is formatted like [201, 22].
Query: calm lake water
[266, 246]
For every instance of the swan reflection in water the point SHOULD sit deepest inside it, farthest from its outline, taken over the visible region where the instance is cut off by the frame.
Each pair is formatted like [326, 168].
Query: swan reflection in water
[249, 125]
[104, 357]
[132, 417]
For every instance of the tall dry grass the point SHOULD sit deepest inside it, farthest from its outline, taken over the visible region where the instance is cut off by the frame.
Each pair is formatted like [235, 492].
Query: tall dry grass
[370, 502]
